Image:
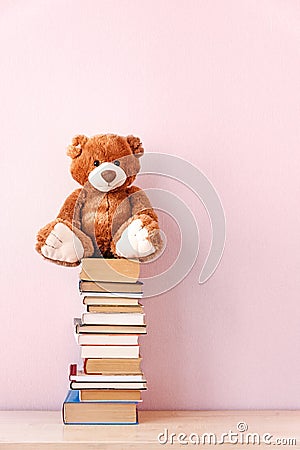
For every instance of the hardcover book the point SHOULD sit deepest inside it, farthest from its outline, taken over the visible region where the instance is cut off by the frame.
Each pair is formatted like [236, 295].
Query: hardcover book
[113, 319]
[76, 412]
[107, 287]
[112, 365]
[111, 395]
[110, 301]
[108, 329]
[111, 270]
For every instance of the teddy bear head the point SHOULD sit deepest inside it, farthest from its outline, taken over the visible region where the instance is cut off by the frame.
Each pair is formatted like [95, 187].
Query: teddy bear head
[106, 161]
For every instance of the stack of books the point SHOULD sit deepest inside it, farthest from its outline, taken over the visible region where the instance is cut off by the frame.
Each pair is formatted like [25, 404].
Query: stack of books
[108, 388]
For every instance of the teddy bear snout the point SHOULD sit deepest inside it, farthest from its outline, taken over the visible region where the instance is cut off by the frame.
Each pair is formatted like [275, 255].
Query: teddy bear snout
[108, 175]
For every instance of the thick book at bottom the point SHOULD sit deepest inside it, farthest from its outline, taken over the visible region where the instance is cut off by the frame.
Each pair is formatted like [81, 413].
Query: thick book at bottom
[76, 412]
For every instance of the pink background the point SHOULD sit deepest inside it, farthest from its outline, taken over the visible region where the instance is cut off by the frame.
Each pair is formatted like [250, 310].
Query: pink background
[214, 82]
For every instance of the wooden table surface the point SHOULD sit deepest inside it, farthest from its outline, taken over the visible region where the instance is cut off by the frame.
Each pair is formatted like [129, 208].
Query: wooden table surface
[43, 429]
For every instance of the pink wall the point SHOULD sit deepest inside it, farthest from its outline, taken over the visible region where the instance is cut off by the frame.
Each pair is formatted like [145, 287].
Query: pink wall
[214, 82]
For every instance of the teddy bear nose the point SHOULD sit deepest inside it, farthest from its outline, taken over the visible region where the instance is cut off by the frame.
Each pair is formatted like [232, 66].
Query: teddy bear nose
[108, 175]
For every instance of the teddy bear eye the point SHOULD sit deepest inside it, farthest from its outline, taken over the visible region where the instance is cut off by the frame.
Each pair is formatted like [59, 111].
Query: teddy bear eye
[96, 163]
[116, 163]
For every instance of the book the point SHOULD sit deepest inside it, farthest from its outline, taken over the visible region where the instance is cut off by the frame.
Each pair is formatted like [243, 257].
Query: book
[111, 395]
[96, 300]
[115, 308]
[112, 270]
[77, 385]
[118, 295]
[108, 287]
[113, 319]
[80, 376]
[112, 365]
[107, 339]
[110, 351]
[77, 412]
[108, 329]
[108, 388]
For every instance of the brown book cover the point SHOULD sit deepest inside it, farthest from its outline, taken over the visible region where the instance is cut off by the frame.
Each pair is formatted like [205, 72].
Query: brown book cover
[77, 412]
[111, 366]
[108, 329]
[115, 270]
[115, 309]
[99, 286]
[110, 395]
[110, 301]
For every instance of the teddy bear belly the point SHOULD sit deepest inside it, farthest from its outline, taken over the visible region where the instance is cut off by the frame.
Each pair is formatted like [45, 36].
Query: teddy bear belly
[100, 221]
[96, 223]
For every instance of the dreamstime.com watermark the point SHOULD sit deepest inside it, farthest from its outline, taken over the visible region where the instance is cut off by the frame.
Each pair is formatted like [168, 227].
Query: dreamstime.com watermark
[241, 436]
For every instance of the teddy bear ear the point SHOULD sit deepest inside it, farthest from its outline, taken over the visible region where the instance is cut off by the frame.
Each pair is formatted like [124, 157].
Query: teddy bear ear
[135, 145]
[75, 149]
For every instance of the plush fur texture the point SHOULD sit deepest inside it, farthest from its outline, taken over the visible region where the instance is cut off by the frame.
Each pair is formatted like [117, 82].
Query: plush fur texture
[99, 213]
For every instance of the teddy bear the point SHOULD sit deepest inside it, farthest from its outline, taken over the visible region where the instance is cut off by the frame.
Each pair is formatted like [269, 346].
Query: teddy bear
[106, 217]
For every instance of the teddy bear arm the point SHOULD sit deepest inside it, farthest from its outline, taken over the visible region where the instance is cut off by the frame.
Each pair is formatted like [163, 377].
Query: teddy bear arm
[70, 210]
[139, 236]
[68, 218]
[141, 207]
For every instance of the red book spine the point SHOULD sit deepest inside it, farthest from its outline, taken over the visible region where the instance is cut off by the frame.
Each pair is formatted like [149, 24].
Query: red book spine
[73, 369]
[84, 365]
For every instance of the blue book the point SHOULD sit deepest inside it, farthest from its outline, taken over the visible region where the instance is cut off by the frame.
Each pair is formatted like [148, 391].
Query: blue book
[76, 412]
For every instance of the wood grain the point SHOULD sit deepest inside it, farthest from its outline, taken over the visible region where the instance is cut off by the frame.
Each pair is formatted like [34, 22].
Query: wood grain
[36, 430]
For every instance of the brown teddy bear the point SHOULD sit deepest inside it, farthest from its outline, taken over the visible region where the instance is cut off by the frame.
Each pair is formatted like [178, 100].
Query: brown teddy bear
[107, 217]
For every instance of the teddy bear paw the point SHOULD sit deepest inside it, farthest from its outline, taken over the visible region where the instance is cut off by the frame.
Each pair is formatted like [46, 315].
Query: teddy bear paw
[134, 242]
[63, 245]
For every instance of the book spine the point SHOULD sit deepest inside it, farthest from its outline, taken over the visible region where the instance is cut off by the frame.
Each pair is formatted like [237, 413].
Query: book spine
[73, 369]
